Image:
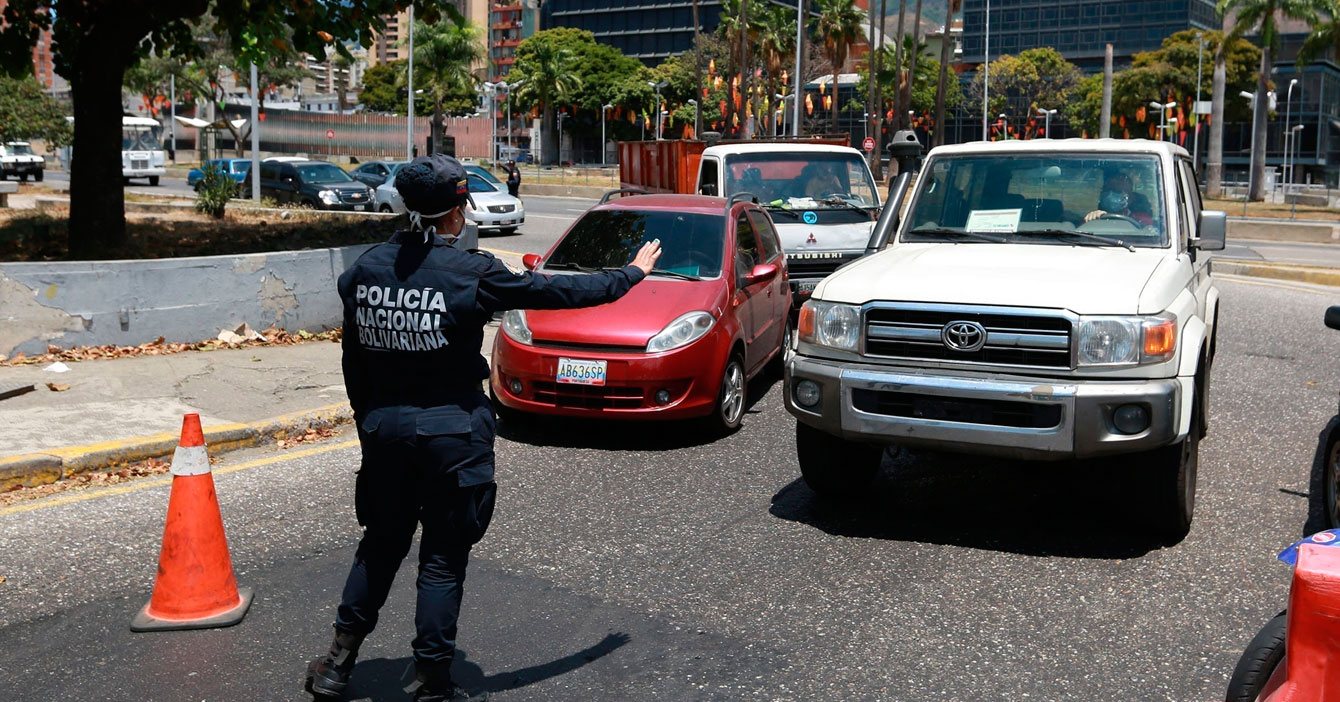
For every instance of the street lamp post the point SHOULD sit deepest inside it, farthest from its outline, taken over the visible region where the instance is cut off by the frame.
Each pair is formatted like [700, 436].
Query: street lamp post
[800, 85]
[491, 89]
[603, 110]
[657, 87]
[1195, 109]
[1047, 124]
[508, 106]
[986, 74]
[1164, 107]
[1288, 107]
[1293, 141]
[1251, 172]
[409, 66]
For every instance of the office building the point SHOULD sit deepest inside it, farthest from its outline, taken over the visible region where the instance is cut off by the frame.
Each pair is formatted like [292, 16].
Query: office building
[650, 30]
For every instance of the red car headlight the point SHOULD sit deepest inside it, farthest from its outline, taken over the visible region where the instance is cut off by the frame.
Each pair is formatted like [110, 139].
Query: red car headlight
[685, 330]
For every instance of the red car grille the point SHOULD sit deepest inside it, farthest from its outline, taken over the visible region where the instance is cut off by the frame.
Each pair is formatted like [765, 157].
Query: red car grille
[588, 396]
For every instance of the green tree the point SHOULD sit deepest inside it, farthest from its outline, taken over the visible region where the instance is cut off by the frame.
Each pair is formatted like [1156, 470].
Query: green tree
[546, 68]
[1263, 16]
[27, 112]
[924, 83]
[1036, 78]
[838, 25]
[381, 90]
[95, 41]
[1325, 36]
[443, 56]
[776, 43]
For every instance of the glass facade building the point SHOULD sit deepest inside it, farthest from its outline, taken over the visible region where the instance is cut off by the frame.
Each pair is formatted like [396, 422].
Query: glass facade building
[650, 30]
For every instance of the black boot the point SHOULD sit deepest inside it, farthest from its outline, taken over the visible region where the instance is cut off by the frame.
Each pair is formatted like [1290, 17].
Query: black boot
[328, 676]
[432, 683]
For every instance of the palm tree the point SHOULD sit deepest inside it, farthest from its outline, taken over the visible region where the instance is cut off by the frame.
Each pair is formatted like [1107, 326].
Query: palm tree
[548, 77]
[1325, 36]
[1263, 15]
[731, 25]
[945, 49]
[775, 41]
[697, 73]
[898, 109]
[838, 24]
[443, 56]
[917, 48]
[1214, 163]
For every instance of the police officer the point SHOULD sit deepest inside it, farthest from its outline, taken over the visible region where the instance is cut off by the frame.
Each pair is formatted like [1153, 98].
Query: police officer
[414, 315]
[513, 179]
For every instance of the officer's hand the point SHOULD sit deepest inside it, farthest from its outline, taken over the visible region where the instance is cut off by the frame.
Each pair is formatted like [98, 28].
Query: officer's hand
[647, 256]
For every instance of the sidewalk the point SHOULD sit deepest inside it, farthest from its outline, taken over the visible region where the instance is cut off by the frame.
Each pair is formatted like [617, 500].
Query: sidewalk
[114, 411]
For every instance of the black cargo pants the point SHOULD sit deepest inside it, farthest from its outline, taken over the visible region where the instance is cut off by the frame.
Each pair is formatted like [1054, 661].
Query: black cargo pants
[431, 466]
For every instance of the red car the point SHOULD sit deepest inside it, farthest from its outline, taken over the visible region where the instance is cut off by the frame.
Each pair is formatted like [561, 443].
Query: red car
[682, 343]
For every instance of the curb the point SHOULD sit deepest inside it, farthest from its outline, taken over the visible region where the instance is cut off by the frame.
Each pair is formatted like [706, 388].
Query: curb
[57, 464]
[1315, 275]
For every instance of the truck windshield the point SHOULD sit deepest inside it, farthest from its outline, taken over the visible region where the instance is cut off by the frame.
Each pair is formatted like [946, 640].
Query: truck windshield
[141, 139]
[1041, 198]
[802, 180]
[20, 150]
[691, 243]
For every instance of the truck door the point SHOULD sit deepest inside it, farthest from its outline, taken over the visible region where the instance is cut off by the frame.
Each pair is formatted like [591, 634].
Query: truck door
[754, 301]
[709, 181]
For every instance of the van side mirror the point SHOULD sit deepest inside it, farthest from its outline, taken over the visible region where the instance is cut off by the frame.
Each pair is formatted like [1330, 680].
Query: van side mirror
[1212, 231]
[531, 261]
[708, 189]
[761, 272]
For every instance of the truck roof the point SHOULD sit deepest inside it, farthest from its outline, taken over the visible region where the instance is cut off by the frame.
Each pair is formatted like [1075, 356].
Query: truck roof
[775, 147]
[704, 204]
[1125, 146]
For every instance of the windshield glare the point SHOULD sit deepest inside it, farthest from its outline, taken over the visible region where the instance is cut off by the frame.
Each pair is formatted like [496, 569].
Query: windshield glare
[323, 173]
[691, 243]
[1119, 197]
[801, 180]
[479, 185]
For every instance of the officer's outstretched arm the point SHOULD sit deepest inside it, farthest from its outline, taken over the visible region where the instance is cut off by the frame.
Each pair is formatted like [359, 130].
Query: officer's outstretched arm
[501, 289]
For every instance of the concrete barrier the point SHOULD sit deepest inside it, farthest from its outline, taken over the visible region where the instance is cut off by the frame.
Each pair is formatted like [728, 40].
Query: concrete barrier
[86, 303]
[52, 204]
[1261, 228]
[592, 192]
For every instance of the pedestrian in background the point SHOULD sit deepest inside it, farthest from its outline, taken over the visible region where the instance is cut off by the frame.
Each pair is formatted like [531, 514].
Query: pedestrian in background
[513, 179]
[414, 314]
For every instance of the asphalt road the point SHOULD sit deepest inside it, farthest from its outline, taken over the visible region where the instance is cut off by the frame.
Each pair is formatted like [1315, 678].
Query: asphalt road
[166, 186]
[649, 562]
[1283, 252]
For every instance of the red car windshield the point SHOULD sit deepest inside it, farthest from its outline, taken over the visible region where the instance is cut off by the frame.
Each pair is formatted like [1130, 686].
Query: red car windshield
[691, 243]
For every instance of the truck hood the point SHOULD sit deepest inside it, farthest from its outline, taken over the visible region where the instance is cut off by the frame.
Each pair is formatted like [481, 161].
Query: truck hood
[632, 319]
[799, 237]
[1082, 279]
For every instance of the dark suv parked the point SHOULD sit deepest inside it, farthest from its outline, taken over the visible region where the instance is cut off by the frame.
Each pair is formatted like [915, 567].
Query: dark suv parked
[317, 184]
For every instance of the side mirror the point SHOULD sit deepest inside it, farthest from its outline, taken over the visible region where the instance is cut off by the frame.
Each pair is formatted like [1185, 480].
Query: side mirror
[1333, 317]
[1212, 231]
[708, 189]
[531, 261]
[761, 272]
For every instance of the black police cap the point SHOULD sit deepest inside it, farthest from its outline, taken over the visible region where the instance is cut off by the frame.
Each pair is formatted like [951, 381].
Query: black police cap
[433, 184]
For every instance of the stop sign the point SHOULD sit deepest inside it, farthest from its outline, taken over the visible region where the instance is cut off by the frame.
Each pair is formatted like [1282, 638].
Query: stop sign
[869, 144]
[330, 133]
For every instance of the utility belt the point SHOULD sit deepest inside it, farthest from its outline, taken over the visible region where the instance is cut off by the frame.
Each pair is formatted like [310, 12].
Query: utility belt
[430, 396]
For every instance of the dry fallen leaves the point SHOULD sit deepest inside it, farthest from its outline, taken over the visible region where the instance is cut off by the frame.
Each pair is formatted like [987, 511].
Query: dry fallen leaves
[57, 387]
[161, 347]
[312, 434]
[84, 481]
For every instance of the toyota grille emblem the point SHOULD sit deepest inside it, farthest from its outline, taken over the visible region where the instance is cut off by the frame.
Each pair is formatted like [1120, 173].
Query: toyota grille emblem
[963, 336]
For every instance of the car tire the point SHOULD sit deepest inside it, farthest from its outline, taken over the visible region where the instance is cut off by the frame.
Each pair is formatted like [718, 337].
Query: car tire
[38, 176]
[732, 397]
[777, 366]
[1330, 479]
[386, 209]
[833, 466]
[1263, 655]
[153, 180]
[1170, 483]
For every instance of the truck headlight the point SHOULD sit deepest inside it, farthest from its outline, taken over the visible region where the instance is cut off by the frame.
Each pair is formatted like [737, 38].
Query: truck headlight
[330, 197]
[514, 326]
[1117, 341]
[830, 324]
[685, 330]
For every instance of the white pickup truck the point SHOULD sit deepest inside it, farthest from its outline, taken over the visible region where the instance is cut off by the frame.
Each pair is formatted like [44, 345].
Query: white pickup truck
[1041, 300]
[17, 159]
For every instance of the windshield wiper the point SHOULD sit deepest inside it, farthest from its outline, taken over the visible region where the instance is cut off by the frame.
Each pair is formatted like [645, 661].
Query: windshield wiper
[674, 274]
[1083, 236]
[779, 208]
[956, 232]
[843, 203]
[568, 266]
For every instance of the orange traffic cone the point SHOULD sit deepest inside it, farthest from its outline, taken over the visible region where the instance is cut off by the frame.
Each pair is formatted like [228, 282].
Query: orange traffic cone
[195, 588]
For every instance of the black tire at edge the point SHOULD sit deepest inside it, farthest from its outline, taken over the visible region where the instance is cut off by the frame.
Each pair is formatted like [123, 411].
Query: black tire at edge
[1254, 668]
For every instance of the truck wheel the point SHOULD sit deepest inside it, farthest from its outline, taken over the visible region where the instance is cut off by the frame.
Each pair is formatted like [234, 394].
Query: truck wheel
[153, 180]
[39, 175]
[833, 466]
[1171, 483]
[1263, 655]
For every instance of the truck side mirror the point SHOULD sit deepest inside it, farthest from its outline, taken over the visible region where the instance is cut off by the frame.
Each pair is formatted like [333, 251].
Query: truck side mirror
[1212, 231]
[531, 261]
[708, 189]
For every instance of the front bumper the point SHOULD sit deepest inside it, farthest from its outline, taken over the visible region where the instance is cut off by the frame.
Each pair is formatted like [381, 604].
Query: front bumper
[502, 220]
[691, 374]
[24, 167]
[143, 172]
[984, 413]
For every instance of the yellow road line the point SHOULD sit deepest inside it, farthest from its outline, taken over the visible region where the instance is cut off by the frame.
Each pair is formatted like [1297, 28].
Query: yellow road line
[165, 480]
[500, 251]
[1230, 278]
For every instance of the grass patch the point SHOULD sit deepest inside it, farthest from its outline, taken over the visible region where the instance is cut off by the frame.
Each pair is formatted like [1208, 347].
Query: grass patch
[1272, 210]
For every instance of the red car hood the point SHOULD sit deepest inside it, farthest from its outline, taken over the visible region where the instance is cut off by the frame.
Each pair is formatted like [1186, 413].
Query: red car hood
[632, 319]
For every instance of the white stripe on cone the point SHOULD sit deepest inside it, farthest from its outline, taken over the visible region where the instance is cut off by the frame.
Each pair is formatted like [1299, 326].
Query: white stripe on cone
[190, 460]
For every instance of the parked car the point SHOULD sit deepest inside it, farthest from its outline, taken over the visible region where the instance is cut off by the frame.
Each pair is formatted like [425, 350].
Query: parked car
[17, 159]
[1046, 299]
[494, 209]
[683, 343]
[314, 184]
[235, 168]
[374, 173]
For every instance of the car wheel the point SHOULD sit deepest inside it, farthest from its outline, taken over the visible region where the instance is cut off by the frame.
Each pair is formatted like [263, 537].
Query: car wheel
[777, 366]
[833, 466]
[153, 180]
[1258, 663]
[1330, 479]
[387, 209]
[39, 175]
[1171, 483]
[732, 397]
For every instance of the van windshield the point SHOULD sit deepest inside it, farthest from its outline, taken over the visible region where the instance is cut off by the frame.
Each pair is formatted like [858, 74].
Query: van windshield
[1040, 198]
[802, 180]
[141, 138]
[692, 243]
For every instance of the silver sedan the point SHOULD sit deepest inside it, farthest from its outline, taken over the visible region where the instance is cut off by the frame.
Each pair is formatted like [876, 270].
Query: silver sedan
[494, 209]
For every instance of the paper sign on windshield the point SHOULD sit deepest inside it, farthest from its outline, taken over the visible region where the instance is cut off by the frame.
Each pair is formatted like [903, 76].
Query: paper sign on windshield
[994, 221]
